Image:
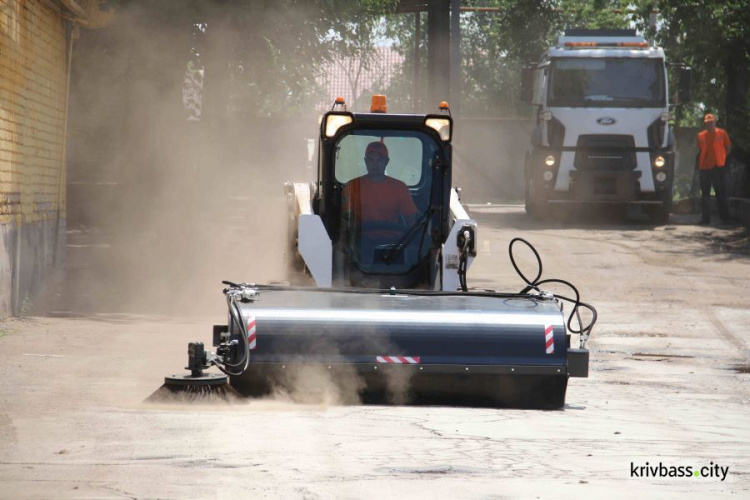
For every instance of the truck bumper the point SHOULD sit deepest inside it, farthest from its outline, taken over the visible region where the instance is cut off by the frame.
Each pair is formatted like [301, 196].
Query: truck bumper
[605, 186]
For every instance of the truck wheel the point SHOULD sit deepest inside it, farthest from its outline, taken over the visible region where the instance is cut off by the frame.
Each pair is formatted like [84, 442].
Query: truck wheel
[528, 206]
[536, 205]
[659, 214]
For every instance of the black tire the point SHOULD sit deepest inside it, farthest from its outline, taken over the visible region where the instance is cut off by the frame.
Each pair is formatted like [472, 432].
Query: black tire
[659, 214]
[528, 206]
[536, 205]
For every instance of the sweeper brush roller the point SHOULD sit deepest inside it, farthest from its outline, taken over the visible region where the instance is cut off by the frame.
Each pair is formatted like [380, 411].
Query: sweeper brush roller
[502, 350]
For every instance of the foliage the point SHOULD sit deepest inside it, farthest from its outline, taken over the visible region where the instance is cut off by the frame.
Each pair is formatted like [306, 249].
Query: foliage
[260, 57]
[714, 39]
[496, 45]
[264, 57]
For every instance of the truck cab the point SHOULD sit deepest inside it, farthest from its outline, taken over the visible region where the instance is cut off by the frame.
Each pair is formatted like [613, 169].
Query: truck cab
[602, 133]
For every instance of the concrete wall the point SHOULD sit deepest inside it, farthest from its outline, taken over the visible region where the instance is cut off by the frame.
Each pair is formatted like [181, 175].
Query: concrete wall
[488, 156]
[33, 92]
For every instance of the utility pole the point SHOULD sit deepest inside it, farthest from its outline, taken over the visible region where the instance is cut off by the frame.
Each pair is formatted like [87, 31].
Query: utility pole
[438, 53]
[455, 63]
[417, 40]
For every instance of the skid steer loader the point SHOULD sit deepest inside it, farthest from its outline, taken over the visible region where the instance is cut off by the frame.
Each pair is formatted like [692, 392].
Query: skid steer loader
[390, 307]
[346, 243]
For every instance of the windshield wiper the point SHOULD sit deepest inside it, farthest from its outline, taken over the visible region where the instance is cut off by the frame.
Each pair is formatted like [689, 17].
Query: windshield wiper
[616, 98]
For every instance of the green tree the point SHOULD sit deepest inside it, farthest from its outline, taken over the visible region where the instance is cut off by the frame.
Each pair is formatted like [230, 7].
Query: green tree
[260, 57]
[714, 39]
[495, 45]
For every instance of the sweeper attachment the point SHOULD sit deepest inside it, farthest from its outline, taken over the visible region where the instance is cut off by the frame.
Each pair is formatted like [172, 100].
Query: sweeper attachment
[386, 241]
[406, 346]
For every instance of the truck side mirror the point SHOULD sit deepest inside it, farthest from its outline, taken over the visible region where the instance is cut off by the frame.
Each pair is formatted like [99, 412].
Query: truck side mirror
[684, 93]
[527, 84]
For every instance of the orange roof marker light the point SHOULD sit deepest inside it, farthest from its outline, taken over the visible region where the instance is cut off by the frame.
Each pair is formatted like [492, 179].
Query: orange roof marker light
[377, 104]
[634, 45]
[339, 103]
[443, 124]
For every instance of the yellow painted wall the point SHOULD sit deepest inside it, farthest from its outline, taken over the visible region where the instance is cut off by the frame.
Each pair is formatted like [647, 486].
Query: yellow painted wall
[33, 80]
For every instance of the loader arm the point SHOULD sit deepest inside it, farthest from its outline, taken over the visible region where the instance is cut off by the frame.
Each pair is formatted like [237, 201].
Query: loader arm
[309, 235]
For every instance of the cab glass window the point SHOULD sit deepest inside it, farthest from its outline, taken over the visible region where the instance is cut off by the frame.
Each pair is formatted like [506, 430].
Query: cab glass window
[405, 150]
[385, 203]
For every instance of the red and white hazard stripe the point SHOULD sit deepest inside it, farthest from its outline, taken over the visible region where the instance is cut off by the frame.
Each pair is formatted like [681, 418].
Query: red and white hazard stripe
[251, 337]
[399, 360]
[549, 339]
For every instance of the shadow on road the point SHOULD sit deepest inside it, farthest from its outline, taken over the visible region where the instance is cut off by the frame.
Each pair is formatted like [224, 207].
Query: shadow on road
[688, 239]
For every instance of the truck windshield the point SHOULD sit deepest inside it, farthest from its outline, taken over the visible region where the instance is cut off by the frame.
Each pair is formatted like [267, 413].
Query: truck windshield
[606, 82]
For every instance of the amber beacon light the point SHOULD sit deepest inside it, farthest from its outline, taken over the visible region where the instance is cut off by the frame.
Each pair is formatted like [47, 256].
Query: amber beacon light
[377, 104]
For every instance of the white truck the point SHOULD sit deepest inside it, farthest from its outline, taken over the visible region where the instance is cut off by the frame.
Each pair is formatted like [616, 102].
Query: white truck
[602, 133]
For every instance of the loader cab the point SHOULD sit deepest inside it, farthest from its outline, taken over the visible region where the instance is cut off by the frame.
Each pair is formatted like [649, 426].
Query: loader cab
[383, 196]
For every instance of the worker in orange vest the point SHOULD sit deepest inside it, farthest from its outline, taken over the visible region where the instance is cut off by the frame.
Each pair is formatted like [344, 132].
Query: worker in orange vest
[714, 146]
[375, 198]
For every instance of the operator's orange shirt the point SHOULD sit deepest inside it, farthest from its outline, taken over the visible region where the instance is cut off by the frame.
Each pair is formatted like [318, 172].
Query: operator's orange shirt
[713, 148]
[378, 201]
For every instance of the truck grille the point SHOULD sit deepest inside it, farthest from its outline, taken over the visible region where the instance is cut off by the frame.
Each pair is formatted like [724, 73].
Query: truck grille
[605, 152]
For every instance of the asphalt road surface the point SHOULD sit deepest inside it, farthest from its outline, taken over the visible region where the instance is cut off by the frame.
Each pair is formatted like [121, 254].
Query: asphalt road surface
[669, 388]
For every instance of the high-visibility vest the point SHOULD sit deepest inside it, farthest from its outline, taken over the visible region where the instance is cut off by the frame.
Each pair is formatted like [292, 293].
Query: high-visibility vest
[720, 143]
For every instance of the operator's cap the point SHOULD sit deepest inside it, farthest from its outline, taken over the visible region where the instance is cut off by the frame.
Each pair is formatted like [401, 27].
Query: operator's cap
[376, 149]
[710, 117]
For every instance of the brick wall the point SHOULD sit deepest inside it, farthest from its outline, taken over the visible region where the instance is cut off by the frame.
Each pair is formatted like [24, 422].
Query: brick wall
[33, 88]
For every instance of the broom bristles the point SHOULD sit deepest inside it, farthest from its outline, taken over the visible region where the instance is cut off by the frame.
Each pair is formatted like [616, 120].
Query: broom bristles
[195, 394]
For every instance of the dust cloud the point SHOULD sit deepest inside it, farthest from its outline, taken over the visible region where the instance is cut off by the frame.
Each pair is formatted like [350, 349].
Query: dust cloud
[315, 384]
[177, 162]
[175, 181]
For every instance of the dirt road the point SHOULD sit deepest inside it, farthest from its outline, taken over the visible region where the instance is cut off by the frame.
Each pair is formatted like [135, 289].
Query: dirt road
[669, 387]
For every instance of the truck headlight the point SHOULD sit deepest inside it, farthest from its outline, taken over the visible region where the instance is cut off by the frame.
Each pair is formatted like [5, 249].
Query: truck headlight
[661, 177]
[549, 161]
[659, 161]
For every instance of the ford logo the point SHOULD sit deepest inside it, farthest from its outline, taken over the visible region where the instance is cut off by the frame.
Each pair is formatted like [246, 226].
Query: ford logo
[606, 120]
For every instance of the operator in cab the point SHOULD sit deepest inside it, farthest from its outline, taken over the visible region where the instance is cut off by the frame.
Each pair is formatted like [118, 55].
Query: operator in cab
[380, 205]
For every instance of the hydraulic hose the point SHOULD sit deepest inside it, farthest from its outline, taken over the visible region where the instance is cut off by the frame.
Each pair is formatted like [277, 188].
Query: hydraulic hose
[236, 316]
[463, 261]
[583, 331]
